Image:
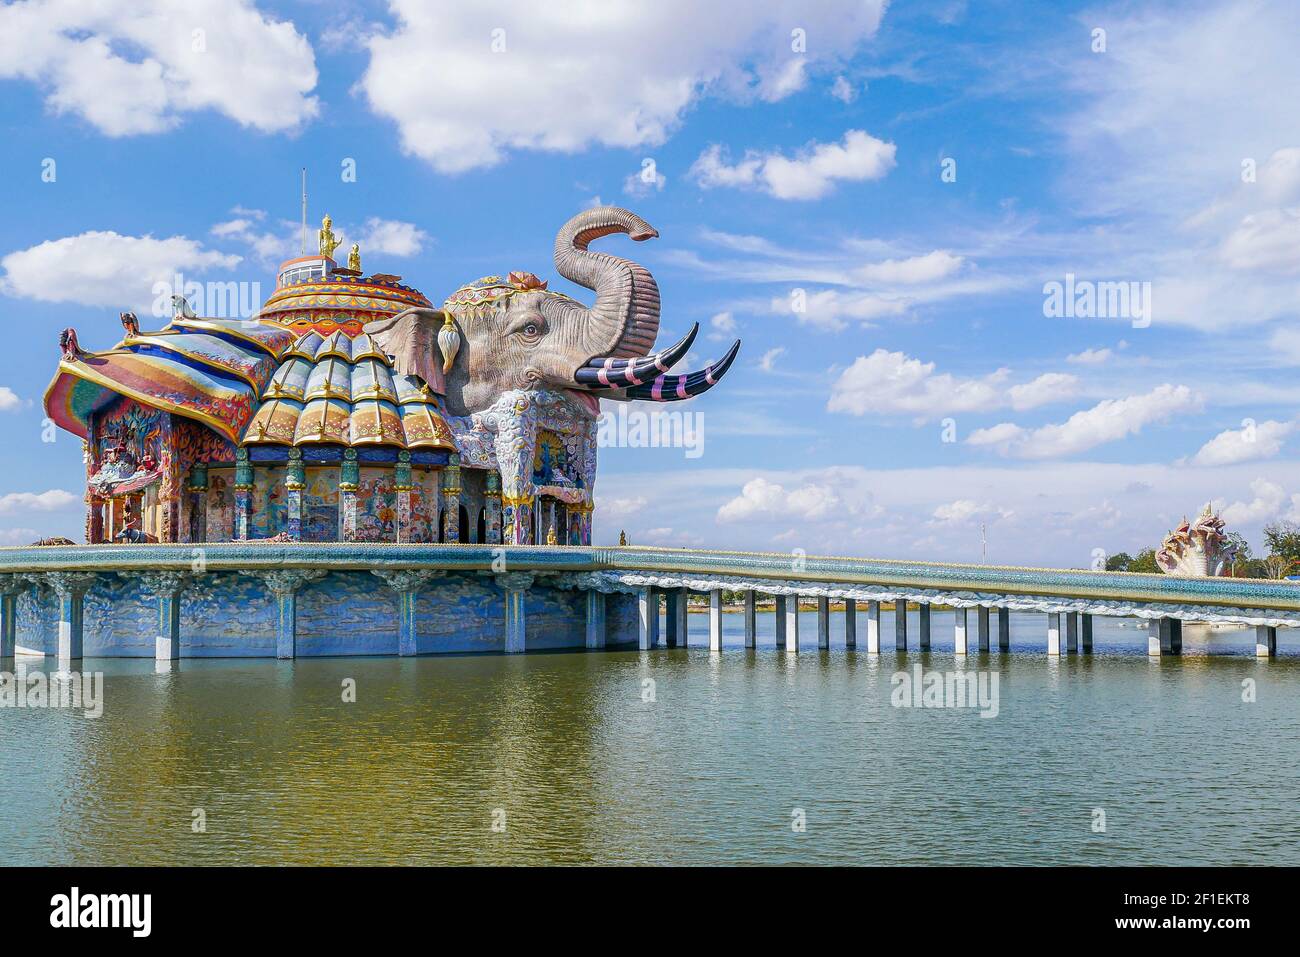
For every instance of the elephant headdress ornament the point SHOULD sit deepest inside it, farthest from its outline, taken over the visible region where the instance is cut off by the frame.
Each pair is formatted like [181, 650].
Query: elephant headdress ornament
[496, 335]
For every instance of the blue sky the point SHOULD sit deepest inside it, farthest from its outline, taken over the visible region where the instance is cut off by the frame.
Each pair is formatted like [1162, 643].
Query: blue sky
[797, 156]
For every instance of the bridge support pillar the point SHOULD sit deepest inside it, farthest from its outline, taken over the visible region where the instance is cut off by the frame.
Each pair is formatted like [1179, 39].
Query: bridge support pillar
[647, 604]
[1004, 629]
[1164, 637]
[715, 621]
[681, 609]
[751, 620]
[960, 631]
[850, 623]
[670, 618]
[923, 627]
[1265, 641]
[823, 624]
[791, 616]
[8, 619]
[595, 619]
[873, 627]
[900, 624]
[1072, 633]
[1054, 633]
[982, 627]
[1085, 633]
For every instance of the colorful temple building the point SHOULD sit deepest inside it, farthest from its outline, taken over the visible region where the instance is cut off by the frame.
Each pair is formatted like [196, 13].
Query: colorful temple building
[350, 408]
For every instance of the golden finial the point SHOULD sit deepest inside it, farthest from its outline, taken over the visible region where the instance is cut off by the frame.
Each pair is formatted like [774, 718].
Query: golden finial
[328, 241]
[354, 258]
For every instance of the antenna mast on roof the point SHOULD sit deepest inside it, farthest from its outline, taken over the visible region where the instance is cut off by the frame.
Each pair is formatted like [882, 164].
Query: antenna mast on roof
[302, 244]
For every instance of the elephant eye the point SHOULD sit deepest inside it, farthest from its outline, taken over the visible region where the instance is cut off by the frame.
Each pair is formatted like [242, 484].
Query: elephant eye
[531, 329]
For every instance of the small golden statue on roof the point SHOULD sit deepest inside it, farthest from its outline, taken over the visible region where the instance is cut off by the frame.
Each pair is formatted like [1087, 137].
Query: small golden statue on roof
[622, 538]
[354, 257]
[328, 241]
[550, 535]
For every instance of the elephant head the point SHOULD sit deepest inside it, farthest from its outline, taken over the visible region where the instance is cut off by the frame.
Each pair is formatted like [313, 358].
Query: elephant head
[515, 334]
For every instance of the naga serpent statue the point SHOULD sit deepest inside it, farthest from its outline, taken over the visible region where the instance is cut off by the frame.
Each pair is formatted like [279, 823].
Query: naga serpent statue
[496, 336]
[1196, 548]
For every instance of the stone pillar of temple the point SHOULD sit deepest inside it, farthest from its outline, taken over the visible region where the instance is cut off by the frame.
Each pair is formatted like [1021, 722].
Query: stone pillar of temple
[851, 623]
[243, 495]
[1265, 641]
[197, 490]
[960, 632]
[647, 606]
[1054, 633]
[596, 619]
[166, 588]
[873, 627]
[295, 480]
[404, 488]
[715, 620]
[900, 624]
[451, 500]
[982, 627]
[923, 626]
[492, 506]
[407, 583]
[94, 518]
[71, 588]
[515, 585]
[1164, 637]
[283, 585]
[1085, 633]
[681, 615]
[11, 586]
[1004, 629]
[823, 623]
[751, 619]
[349, 482]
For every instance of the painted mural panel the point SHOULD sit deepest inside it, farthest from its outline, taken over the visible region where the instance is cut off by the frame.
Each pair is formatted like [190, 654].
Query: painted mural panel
[225, 615]
[320, 505]
[424, 505]
[120, 620]
[37, 621]
[376, 506]
[460, 613]
[220, 499]
[270, 506]
[556, 617]
[347, 614]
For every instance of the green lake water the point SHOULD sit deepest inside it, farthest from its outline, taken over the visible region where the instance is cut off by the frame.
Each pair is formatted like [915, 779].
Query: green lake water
[565, 756]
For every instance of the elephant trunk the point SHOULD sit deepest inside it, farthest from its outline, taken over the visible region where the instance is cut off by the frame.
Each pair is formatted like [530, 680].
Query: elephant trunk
[624, 321]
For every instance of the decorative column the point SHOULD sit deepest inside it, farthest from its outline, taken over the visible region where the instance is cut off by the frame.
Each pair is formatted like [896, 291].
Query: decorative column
[71, 588]
[982, 626]
[197, 488]
[751, 619]
[823, 624]
[1265, 641]
[284, 584]
[681, 611]
[515, 585]
[1054, 633]
[166, 588]
[581, 523]
[960, 632]
[407, 583]
[873, 627]
[595, 619]
[923, 626]
[1164, 637]
[715, 620]
[850, 623]
[1085, 632]
[349, 482]
[1071, 632]
[295, 480]
[243, 494]
[900, 624]
[11, 586]
[492, 505]
[404, 486]
[1004, 629]
[451, 500]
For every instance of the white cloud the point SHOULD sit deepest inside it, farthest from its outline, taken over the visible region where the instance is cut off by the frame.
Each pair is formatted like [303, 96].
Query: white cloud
[18, 536]
[892, 383]
[843, 90]
[1107, 421]
[1262, 440]
[723, 322]
[9, 400]
[137, 66]
[832, 309]
[768, 361]
[618, 507]
[1266, 505]
[966, 511]
[645, 181]
[467, 83]
[48, 501]
[932, 266]
[389, 237]
[272, 245]
[761, 499]
[810, 174]
[104, 268]
[1090, 357]
[1266, 240]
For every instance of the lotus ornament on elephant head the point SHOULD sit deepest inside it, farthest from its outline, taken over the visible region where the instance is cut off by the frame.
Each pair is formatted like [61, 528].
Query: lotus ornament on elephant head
[496, 335]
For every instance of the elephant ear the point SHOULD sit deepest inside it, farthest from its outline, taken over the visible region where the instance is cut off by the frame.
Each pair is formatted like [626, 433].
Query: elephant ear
[411, 339]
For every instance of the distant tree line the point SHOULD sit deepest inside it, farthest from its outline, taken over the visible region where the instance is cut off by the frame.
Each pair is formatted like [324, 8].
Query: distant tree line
[1281, 538]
